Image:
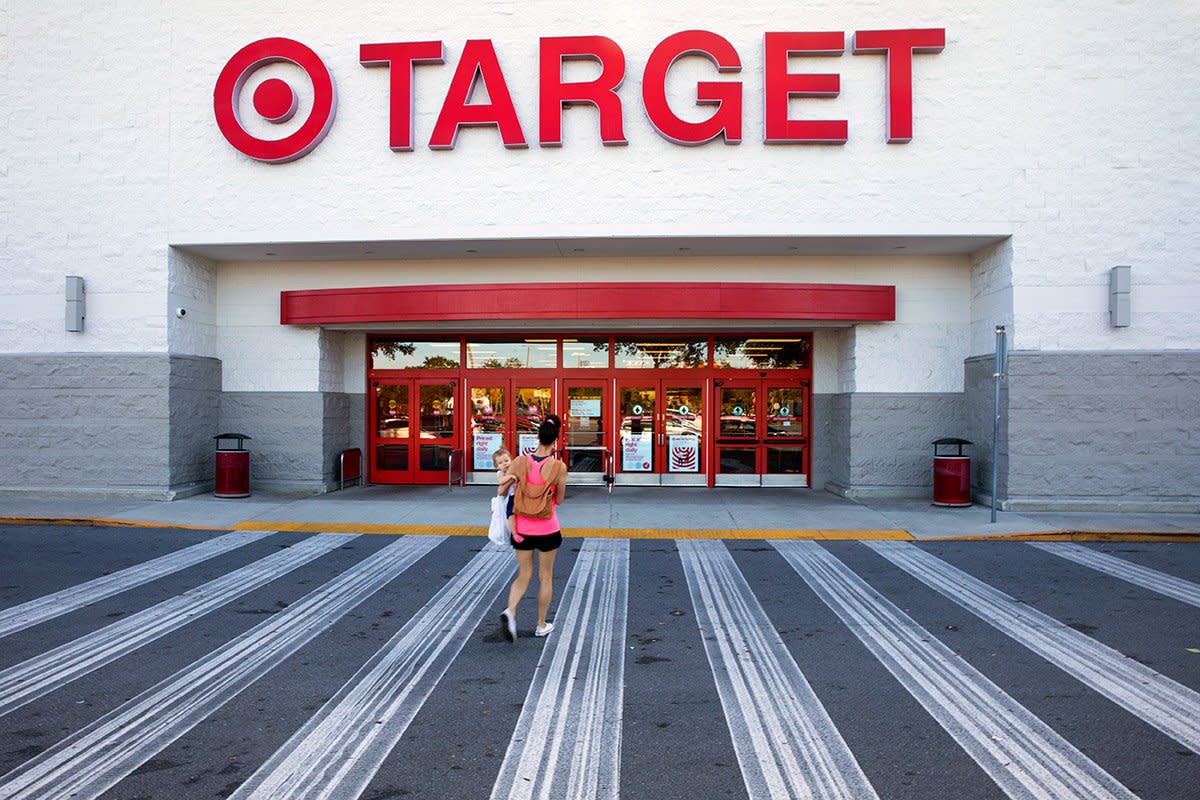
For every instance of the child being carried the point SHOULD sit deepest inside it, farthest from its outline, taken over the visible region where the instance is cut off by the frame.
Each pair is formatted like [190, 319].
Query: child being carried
[505, 482]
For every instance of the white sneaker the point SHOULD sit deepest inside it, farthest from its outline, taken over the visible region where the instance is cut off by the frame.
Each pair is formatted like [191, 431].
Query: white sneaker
[543, 630]
[508, 625]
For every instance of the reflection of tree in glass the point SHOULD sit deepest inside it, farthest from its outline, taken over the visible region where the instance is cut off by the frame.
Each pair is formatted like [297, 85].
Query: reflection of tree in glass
[439, 362]
[390, 350]
[693, 353]
[783, 354]
[508, 363]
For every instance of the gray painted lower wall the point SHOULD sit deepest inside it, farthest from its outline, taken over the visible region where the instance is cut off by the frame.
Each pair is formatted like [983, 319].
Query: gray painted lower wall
[830, 429]
[1081, 430]
[1103, 430]
[881, 443]
[85, 423]
[296, 437]
[195, 410]
[980, 395]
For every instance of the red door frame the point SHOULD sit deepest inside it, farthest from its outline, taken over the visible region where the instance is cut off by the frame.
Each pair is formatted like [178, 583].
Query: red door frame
[412, 381]
[659, 380]
[559, 379]
[592, 380]
[759, 437]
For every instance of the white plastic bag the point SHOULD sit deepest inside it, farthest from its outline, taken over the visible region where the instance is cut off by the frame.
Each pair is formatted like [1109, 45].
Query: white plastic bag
[498, 527]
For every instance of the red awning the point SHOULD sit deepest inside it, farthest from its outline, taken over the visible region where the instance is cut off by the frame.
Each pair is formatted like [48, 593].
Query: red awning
[623, 300]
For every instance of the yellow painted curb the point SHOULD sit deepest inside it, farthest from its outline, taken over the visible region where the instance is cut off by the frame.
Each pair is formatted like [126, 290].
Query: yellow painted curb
[107, 522]
[1074, 536]
[573, 533]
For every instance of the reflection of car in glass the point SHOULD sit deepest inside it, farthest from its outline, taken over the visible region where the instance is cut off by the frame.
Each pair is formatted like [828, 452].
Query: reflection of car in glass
[394, 422]
[683, 423]
[529, 423]
[732, 425]
[487, 424]
[784, 426]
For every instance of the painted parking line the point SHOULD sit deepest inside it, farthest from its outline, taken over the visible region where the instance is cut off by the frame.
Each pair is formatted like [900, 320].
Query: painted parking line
[1152, 579]
[54, 605]
[23, 683]
[1020, 753]
[1169, 706]
[338, 751]
[91, 761]
[786, 743]
[567, 742]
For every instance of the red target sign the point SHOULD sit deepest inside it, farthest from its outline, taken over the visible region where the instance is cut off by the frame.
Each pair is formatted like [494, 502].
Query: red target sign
[274, 100]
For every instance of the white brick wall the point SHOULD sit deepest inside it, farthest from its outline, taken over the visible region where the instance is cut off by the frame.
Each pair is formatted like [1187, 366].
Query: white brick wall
[931, 327]
[1074, 125]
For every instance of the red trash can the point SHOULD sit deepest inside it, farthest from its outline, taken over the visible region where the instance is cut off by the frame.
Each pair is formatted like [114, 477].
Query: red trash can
[951, 475]
[233, 467]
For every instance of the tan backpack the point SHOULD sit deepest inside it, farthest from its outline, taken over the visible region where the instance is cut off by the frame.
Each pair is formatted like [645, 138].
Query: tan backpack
[535, 500]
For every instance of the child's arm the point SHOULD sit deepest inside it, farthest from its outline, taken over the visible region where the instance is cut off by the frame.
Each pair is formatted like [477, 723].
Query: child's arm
[503, 480]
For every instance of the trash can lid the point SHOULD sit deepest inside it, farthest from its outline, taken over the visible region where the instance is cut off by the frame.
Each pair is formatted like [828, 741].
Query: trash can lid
[231, 436]
[946, 440]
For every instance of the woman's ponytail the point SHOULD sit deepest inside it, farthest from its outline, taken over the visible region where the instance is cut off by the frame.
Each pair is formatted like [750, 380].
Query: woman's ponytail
[549, 429]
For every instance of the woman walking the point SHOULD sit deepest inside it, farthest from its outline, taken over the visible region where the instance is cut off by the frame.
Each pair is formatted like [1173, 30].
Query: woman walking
[533, 534]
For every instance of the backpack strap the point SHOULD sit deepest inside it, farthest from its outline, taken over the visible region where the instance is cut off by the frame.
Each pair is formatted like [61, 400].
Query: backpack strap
[520, 467]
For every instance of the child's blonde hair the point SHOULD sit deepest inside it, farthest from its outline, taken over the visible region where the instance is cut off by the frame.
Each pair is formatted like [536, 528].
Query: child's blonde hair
[503, 451]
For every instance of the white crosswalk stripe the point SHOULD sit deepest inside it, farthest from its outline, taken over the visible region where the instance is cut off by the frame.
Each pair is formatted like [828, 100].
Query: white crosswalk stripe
[567, 743]
[37, 676]
[91, 761]
[342, 746]
[786, 744]
[1023, 755]
[1169, 706]
[1152, 579]
[568, 739]
[54, 605]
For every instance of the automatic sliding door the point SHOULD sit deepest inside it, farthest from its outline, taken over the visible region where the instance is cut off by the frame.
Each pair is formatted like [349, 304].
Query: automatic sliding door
[737, 434]
[488, 417]
[681, 434]
[636, 451]
[785, 444]
[436, 434]
[534, 399]
[391, 436]
[586, 439]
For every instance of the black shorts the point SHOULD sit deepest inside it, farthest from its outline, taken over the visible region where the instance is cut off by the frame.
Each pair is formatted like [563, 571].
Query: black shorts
[546, 543]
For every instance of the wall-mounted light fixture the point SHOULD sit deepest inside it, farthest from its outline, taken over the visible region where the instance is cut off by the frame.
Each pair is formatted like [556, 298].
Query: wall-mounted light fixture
[1118, 297]
[76, 312]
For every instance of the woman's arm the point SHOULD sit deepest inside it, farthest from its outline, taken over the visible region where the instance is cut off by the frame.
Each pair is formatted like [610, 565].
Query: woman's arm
[560, 487]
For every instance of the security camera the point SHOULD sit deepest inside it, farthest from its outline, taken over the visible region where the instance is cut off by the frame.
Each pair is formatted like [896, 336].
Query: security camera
[181, 312]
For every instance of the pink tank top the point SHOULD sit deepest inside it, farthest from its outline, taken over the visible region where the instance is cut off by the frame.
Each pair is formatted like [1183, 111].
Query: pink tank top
[531, 526]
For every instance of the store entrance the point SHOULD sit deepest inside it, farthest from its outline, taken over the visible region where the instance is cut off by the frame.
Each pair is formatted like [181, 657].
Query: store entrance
[661, 431]
[760, 436]
[413, 429]
[686, 410]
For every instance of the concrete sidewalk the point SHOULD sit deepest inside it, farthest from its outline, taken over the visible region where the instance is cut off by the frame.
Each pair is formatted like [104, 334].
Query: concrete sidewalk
[636, 512]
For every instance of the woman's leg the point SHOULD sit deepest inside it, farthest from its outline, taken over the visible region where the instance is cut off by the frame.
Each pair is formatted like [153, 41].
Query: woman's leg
[521, 583]
[545, 584]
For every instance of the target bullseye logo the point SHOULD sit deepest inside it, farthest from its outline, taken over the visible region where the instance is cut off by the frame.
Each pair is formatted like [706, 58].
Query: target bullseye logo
[274, 100]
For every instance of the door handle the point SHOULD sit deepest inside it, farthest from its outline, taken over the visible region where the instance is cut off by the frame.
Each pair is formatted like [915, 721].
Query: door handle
[660, 440]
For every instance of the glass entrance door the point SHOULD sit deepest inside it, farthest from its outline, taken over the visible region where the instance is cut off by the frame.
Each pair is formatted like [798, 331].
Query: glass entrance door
[661, 437]
[586, 436]
[391, 453]
[505, 412]
[762, 433]
[413, 430]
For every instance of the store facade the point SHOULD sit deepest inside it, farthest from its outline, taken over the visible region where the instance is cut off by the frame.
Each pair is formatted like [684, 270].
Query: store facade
[765, 246]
